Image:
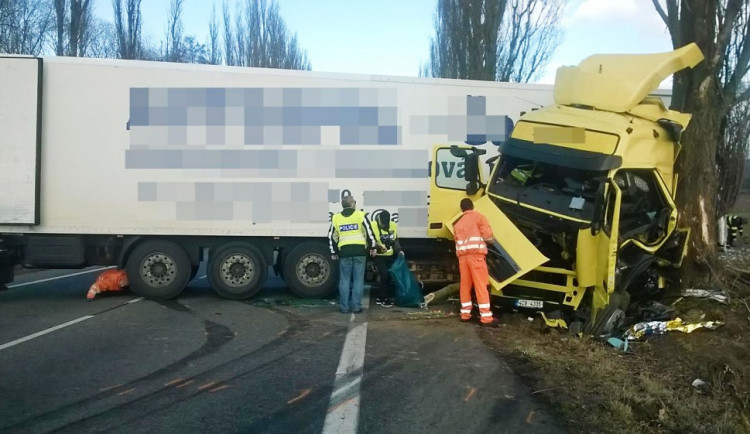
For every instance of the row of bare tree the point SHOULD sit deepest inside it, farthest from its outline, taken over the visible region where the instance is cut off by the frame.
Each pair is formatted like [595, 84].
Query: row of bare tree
[255, 34]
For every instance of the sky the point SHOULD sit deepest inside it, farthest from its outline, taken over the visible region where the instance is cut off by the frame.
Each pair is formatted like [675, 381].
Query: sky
[392, 37]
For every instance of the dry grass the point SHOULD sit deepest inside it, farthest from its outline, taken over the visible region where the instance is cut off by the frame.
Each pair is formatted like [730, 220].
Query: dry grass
[596, 388]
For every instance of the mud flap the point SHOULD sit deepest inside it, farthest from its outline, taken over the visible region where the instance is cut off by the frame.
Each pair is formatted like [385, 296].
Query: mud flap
[511, 255]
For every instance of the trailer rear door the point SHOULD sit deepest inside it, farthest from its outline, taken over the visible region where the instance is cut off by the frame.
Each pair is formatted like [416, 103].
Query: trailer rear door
[20, 139]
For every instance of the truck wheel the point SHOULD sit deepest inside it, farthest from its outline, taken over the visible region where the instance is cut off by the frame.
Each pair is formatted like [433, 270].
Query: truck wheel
[309, 270]
[237, 271]
[158, 269]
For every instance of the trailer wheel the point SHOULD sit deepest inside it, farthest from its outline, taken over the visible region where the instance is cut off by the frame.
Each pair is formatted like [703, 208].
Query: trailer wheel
[309, 270]
[158, 269]
[237, 271]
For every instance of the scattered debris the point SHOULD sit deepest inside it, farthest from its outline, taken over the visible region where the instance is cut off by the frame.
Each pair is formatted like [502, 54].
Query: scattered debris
[441, 294]
[711, 294]
[660, 327]
[698, 383]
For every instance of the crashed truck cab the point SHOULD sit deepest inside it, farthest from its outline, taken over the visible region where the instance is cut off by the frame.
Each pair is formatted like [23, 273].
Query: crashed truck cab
[581, 197]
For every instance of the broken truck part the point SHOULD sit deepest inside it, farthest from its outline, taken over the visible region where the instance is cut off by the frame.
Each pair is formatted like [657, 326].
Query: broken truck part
[581, 196]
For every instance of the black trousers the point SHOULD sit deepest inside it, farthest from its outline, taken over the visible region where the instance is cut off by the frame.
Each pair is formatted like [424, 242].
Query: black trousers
[383, 263]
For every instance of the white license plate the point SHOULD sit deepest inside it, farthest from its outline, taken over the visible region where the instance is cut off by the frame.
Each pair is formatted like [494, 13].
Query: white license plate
[534, 304]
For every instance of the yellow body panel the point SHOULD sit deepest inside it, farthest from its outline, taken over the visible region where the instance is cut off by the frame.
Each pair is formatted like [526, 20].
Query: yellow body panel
[619, 82]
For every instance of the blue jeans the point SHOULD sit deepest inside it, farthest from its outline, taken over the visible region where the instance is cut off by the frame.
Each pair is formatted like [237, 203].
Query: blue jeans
[350, 294]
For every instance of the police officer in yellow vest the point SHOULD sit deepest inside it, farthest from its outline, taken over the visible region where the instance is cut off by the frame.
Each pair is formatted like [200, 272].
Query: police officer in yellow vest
[350, 237]
[386, 233]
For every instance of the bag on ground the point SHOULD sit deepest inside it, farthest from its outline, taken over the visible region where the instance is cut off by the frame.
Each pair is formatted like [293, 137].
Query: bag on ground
[408, 291]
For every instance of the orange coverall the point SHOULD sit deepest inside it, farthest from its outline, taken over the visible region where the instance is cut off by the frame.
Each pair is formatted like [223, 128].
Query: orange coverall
[110, 280]
[470, 233]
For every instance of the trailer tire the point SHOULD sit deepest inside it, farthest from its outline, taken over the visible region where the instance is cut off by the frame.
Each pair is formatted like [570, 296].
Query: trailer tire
[237, 271]
[309, 271]
[158, 269]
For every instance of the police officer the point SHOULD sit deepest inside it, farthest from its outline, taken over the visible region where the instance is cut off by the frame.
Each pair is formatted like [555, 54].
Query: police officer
[386, 234]
[348, 238]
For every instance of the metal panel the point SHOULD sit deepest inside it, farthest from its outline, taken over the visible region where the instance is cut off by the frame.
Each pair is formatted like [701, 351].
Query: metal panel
[20, 141]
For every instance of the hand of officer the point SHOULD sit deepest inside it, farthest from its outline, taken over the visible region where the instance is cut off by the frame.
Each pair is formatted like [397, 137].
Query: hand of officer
[335, 257]
[373, 252]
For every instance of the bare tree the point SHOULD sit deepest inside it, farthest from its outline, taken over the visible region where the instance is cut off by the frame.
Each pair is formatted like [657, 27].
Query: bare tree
[259, 38]
[101, 41]
[77, 23]
[214, 52]
[465, 41]
[25, 26]
[710, 91]
[174, 49]
[128, 28]
[229, 55]
[529, 35]
[60, 15]
[731, 156]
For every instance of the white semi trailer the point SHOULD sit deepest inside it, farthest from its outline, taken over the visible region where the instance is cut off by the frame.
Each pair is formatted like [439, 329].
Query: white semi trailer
[154, 167]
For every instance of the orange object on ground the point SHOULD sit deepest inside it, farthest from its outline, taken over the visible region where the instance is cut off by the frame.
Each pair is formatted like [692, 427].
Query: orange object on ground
[110, 280]
[471, 232]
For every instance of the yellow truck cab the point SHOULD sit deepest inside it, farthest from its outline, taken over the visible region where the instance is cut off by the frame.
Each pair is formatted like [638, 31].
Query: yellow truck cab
[581, 196]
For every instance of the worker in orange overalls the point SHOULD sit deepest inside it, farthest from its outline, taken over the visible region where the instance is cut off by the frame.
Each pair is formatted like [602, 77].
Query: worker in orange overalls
[472, 232]
[110, 280]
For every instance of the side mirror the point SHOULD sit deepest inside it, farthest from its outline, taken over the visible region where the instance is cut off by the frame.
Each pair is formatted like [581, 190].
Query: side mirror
[471, 167]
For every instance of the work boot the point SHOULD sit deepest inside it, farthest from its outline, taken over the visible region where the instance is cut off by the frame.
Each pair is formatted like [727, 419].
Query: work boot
[494, 323]
[387, 302]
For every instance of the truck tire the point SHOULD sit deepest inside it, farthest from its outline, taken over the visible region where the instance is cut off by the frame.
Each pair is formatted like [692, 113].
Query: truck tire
[158, 269]
[237, 271]
[309, 270]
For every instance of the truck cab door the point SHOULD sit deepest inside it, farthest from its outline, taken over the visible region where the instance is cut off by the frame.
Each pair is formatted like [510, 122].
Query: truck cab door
[452, 173]
[448, 185]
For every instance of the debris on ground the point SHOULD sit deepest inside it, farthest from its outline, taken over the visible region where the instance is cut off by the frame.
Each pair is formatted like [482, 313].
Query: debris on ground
[660, 327]
[711, 294]
[108, 281]
[698, 383]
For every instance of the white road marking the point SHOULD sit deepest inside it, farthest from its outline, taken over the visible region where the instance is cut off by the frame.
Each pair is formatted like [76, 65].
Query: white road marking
[343, 408]
[58, 277]
[44, 332]
[135, 300]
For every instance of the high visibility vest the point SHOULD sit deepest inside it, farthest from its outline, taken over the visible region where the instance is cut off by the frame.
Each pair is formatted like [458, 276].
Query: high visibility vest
[392, 230]
[350, 230]
[468, 236]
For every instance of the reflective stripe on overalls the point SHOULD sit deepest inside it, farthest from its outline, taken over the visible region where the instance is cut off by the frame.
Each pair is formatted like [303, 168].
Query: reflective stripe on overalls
[350, 229]
[471, 245]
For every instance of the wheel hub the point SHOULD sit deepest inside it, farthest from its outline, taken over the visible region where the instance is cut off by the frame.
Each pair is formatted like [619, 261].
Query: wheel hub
[237, 270]
[158, 270]
[312, 269]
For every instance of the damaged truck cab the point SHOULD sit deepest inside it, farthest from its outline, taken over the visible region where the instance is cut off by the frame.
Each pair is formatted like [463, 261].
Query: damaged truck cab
[582, 194]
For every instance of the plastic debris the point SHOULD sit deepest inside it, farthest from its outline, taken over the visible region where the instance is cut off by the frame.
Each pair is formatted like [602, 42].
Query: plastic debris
[641, 329]
[618, 343]
[698, 383]
[711, 294]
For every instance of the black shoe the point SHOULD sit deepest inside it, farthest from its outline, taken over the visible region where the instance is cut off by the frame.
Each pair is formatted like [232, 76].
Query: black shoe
[379, 301]
[494, 324]
[387, 303]
[358, 311]
[465, 320]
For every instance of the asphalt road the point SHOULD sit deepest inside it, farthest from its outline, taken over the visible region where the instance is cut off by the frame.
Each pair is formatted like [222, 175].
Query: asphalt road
[274, 364]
